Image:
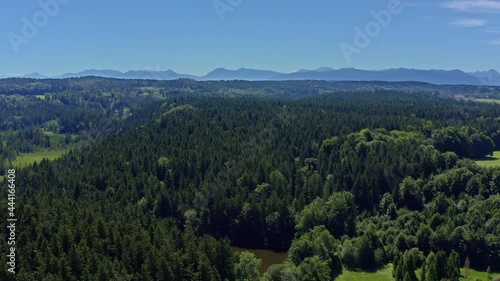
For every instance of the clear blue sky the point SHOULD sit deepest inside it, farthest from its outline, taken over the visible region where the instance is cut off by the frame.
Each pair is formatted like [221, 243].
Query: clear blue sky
[189, 36]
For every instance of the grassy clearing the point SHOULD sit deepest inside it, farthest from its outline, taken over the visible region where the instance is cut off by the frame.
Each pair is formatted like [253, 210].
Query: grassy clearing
[52, 134]
[488, 100]
[49, 134]
[473, 275]
[180, 108]
[385, 274]
[27, 159]
[42, 97]
[491, 161]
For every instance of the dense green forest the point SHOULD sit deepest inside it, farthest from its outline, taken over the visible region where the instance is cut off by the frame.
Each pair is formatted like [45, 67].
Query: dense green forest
[161, 178]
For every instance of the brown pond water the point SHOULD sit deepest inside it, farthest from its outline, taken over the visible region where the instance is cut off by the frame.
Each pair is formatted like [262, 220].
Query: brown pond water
[268, 257]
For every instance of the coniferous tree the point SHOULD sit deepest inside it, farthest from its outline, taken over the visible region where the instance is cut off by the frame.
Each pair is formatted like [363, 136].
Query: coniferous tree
[432, 268]
[453, 266]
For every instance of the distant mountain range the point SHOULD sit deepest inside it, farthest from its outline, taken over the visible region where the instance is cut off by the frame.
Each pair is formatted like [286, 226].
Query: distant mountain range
[132, 74]
[439, 77]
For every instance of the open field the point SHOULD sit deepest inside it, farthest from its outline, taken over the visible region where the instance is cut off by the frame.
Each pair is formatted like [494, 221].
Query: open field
[473, 275]
[27, 159]
[379, 275]
[487, 100]
[42, 97]
[491, 161]
[385, 274]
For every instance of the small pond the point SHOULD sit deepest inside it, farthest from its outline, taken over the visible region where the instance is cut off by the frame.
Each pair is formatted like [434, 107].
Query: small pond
[268, 257]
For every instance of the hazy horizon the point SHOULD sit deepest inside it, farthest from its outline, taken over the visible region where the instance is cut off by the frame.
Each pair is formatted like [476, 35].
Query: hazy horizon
[235, 69]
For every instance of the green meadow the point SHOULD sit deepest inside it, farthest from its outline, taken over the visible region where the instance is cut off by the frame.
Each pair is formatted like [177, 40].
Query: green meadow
[487, 100]
[379, 275]
[26, 159]
[491, 161]
[477, 275]
[484, 100]
[385, 274]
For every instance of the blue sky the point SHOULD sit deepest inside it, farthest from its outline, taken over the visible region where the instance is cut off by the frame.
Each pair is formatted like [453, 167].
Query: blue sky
[192, 36]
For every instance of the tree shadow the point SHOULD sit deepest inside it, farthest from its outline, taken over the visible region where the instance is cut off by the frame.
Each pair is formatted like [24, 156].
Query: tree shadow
[488, 158]
[366, 270]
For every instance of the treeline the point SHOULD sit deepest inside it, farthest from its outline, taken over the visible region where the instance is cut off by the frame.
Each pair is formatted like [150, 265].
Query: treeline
[465, 142]
[31, 87]
[435, 267]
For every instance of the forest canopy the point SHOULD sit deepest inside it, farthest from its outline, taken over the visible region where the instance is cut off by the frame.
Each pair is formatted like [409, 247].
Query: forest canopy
[161, 178]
